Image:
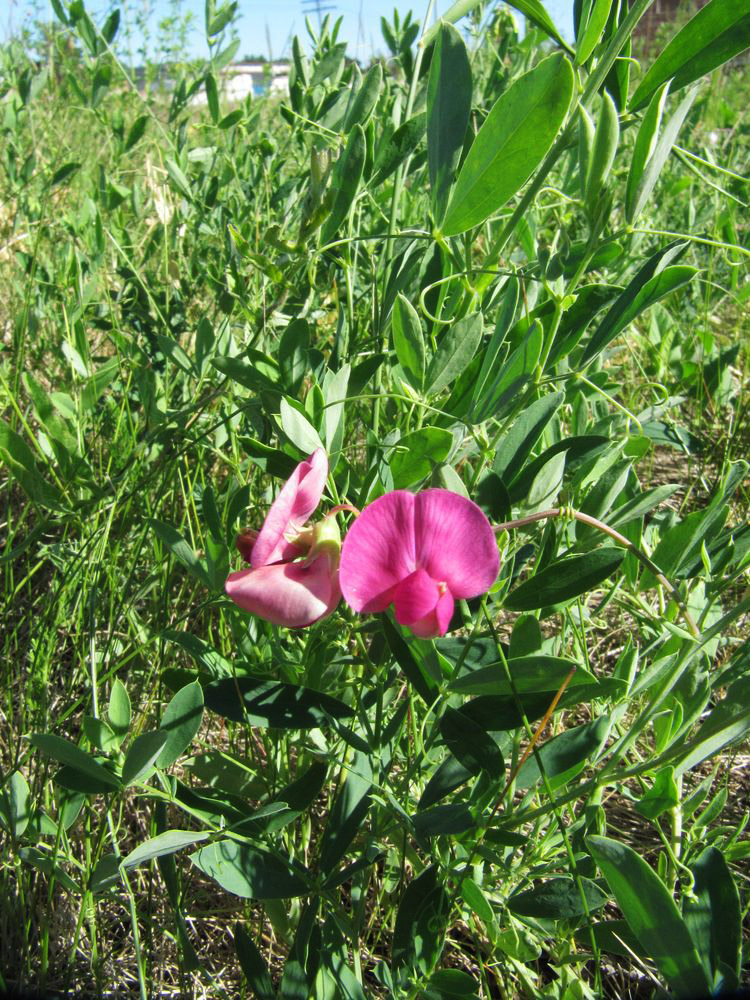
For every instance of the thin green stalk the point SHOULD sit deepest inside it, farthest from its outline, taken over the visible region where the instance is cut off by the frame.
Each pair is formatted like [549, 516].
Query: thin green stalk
[533, 737]
[704, 241]
[395, 200]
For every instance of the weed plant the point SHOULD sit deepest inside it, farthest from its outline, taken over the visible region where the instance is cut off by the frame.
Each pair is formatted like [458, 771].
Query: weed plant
[512, 268]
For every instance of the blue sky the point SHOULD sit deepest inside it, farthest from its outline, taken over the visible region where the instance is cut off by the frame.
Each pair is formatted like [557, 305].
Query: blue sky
[280, 19]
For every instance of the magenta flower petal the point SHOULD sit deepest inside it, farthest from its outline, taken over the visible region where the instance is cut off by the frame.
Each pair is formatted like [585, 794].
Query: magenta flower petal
[378, 552]
[455, 542]
[415, 597]
[419, 553]
[291, 594]
[437, 621]
[299, 497]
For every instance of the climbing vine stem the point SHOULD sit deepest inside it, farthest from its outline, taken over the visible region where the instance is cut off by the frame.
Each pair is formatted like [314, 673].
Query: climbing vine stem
[593, 522]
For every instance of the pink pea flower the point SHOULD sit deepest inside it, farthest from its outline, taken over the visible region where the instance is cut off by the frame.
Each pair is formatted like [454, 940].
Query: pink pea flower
[419, 553]
[293, 579]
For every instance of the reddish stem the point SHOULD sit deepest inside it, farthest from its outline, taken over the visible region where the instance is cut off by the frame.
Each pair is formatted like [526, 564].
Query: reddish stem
[344, 506]
[593, 522]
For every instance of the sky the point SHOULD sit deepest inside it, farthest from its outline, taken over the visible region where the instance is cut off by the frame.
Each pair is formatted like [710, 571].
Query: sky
[264, 20]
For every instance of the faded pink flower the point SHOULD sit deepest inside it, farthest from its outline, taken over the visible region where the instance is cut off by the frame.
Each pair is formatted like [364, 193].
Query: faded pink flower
[293, 579]
[278, 539]
[419, 553]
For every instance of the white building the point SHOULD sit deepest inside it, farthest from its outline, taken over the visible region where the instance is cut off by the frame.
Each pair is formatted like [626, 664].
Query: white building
[256, 78]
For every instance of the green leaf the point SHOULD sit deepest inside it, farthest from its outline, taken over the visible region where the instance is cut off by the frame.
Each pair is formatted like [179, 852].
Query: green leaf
[511, 143]
[345, 181]
[111, 25]
[106, 874]
[181, 721]
[616, 938]
[641, 504]
[578, 448]
[470, 744]
[141, 756]
[589, 301]
[567, 752]
[447, 778]
[136, 132]
[501, 713]
[564, 579]
[457, 347]
[249, 872]
[15, 804]
[98, 382]
[221, 19]
[546, 485]
[408, 341]
[680, 545]
[717, 33]
[119, 710]
[586, 133]
[45, 863]
[448, 109]
[21, 462]
[588, 38]
[100, 734]
[476, 900]
[223, 58]
[182, 551]
[512, 376]
[212, 97]
[558, 899]
[417, 454]
[329, 67]
[714, 918]
[231, 119]
[404, 141]
[273, 704]
[161, 845]
[207, 658]
[335, 387]
[418, 935]
[65, 752]
[526, 638]
[503, 323]
[650, 154]
[516, 446]
[419, 679]
[364, 103]
[293, 354]
[727, 722]
[451, 984]
[172, 350]
[651, 914]
[63, 173]
[448, 820]
[298, 428]
[178, 178]
[643, 148]
[531, 674]
[661, 796]
[253, 964]
[643, 291]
